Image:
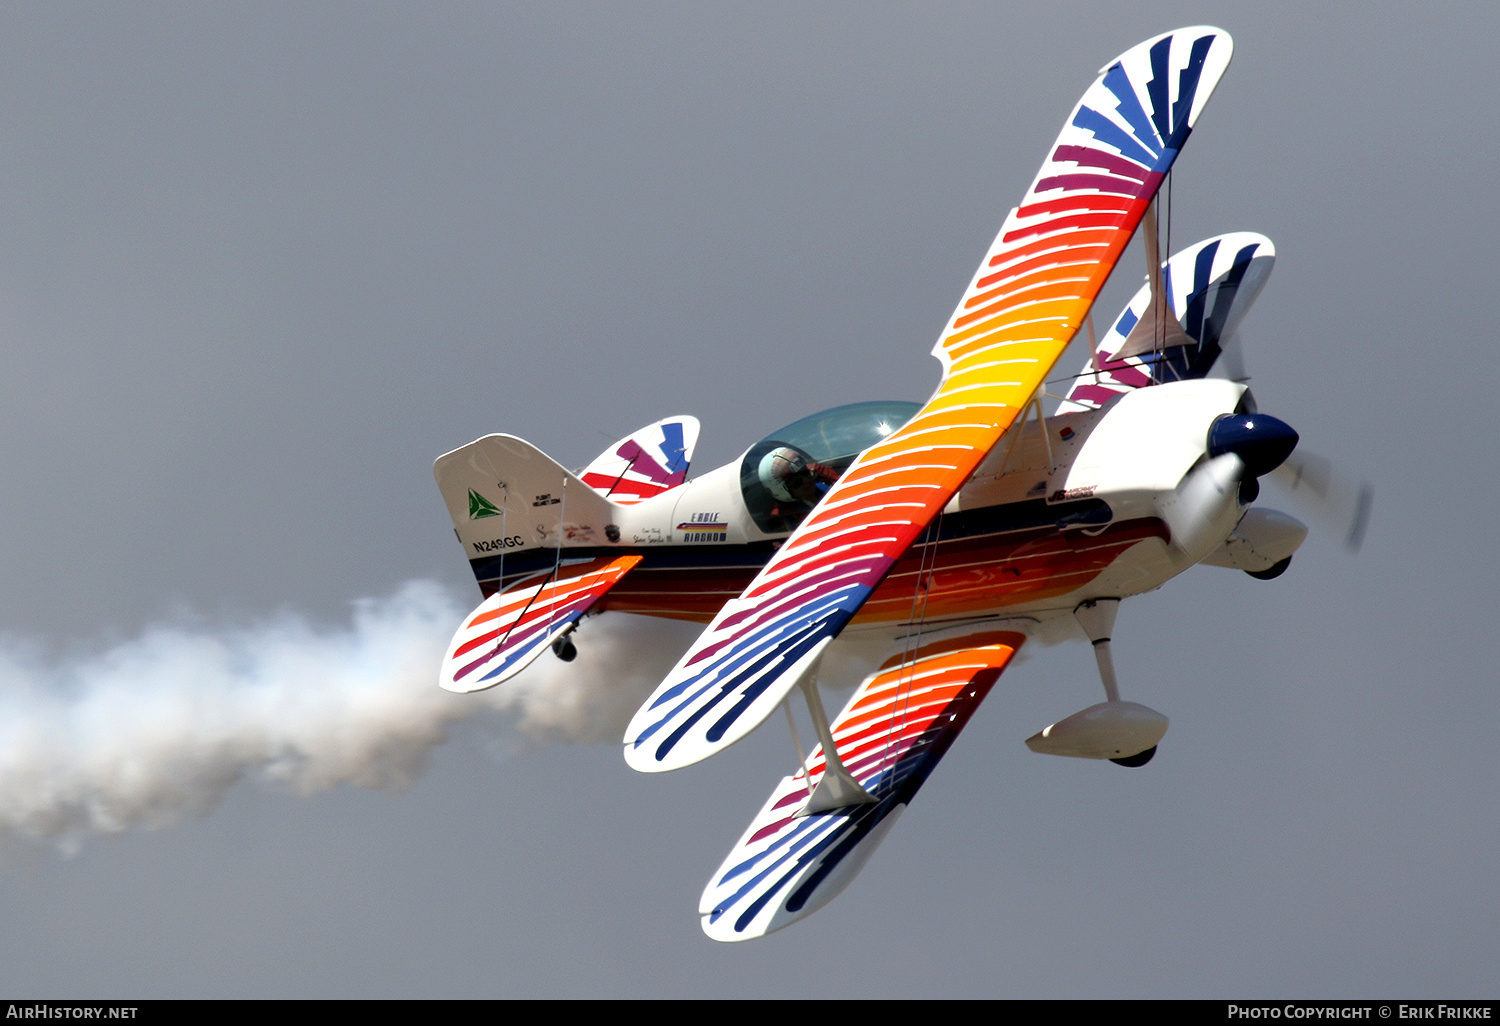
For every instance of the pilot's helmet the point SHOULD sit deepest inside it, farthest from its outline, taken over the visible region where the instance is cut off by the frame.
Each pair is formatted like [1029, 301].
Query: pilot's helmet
[787, 476]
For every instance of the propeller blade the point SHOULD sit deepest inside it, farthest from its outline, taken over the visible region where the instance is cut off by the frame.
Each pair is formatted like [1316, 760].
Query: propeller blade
[1333, 497]
[1201, 498]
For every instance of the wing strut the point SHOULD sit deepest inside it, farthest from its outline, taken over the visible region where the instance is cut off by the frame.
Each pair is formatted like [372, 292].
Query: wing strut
[838, 788]
[1160, 329]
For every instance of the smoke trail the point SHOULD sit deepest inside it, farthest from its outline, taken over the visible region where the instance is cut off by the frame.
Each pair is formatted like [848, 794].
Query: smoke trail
[161, 726]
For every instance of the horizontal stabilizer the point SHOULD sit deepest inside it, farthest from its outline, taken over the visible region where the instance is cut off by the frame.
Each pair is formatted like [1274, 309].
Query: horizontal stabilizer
[645, 463]
[511, 628]
[890, 736]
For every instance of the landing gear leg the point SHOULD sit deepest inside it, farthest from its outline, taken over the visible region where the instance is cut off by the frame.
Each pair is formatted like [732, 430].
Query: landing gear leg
[1097, 618]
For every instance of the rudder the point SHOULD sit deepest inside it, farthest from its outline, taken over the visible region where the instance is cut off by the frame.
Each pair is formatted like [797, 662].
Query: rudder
[513, 507]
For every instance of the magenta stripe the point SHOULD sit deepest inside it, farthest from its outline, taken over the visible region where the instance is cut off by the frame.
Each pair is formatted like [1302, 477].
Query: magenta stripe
[1086, 157]
[1080, 181]
[815, 561]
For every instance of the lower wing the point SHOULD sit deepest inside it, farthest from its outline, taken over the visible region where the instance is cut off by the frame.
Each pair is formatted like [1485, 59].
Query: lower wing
[890, 736]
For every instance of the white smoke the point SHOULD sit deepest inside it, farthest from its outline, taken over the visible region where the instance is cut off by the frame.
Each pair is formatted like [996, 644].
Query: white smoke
[162, 726]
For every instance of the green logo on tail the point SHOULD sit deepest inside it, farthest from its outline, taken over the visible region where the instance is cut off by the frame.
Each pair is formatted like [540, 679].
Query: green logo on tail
[480, 507]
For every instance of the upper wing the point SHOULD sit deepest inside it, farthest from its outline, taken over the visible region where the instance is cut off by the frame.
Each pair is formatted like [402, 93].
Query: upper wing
[890, 736]
[1209, 287]
[1025, 303]
[510, 628]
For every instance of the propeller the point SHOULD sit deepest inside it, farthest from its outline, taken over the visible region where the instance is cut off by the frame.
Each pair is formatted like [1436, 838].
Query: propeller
[1339, 500]
[1333, 497]
[1217, 282]
[1242, 447]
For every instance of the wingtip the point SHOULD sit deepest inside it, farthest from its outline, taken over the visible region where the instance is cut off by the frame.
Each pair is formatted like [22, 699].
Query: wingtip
[1198, 30]
[641, 757]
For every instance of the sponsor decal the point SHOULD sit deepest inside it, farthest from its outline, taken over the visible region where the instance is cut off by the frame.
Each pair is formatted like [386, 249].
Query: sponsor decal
[704, 527]
[569, 531]
[545, 500]
[480, 507]
[1067, 495]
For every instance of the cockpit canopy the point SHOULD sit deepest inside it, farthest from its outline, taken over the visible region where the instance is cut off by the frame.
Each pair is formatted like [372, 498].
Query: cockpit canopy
[784, 475]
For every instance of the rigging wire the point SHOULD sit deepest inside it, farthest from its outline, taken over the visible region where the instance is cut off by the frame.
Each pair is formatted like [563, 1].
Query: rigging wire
[552, 575]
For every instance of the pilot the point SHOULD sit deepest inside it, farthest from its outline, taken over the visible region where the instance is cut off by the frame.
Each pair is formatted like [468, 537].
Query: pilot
[796, 481]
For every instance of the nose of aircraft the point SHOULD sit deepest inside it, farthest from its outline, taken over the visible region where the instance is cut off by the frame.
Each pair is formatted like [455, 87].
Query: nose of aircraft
[1262, 442]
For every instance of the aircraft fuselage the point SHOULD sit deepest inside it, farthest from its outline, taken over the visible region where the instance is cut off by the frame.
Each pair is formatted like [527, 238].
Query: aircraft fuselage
[1075, 507]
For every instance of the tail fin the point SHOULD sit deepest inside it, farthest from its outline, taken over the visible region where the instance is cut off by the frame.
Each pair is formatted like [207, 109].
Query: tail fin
[1209, 286]
[646, 462]
[514, 507]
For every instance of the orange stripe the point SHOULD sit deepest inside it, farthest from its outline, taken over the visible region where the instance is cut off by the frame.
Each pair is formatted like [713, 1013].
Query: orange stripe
[1073, 240]
[1035, 293]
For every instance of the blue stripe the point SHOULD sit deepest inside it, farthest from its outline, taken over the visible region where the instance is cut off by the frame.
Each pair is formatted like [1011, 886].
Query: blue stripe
[1202, 269]
[1117, 82]
[739, 653]
[1111, 134]
[803, 834]
[1187, 88]
[852, 825]
[740, 669]
[1157, 88]
[726, 690]
[672, 448]
[1224, 298]
[749, 693]
[511, 655]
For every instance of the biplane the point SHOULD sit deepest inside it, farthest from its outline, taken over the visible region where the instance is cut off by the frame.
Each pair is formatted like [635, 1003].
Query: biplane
[953, 529]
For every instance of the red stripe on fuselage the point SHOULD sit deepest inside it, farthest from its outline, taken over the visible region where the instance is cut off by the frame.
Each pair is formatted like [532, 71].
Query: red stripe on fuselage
[966, 576]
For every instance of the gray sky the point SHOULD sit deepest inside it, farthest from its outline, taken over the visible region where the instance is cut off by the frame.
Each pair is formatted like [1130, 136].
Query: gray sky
[260, 265]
